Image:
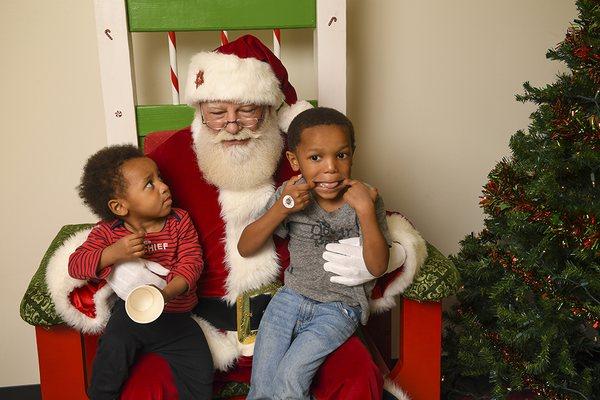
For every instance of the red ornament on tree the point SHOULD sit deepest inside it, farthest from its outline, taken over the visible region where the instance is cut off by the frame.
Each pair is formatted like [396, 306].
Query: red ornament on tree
[583, 52]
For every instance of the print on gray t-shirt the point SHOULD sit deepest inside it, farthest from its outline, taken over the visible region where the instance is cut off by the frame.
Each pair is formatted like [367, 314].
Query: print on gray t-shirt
[309, 231]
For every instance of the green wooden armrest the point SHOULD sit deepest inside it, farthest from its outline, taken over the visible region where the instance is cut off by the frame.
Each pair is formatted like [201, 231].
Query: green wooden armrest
[37, 307]
[438, 278]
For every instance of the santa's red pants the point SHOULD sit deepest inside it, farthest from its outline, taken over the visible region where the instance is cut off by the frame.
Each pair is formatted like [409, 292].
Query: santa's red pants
[348, 373]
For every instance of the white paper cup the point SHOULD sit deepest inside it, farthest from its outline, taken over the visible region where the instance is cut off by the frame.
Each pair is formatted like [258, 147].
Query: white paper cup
[144, 304]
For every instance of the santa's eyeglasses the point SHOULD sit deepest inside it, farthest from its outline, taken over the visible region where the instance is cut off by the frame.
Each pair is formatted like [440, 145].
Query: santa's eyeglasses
[243, 122]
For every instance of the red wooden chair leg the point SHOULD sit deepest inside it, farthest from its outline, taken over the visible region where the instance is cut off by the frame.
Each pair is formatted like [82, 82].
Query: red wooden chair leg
[61, 357]
[65, 357]
[418, 371]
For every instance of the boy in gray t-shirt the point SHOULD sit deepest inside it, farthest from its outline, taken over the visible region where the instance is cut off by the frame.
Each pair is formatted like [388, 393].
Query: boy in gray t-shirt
[311, 316]
[309, 231]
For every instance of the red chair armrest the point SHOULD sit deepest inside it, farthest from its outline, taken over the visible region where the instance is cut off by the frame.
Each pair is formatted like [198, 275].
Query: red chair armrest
[418, 370]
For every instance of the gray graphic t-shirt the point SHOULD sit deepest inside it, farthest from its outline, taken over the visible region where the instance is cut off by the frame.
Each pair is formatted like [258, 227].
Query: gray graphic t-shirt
[309, 231]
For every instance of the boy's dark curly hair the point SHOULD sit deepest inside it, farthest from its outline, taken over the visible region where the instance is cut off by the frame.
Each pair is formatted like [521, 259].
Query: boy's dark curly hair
[318, 116]
[102, 179]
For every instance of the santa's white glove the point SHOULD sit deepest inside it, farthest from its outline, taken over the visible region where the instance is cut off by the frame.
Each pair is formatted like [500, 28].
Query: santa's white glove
[126, 276]
[345, 260]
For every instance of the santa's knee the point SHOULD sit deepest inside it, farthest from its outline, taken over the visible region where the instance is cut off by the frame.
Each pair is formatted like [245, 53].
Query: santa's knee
[349, 373]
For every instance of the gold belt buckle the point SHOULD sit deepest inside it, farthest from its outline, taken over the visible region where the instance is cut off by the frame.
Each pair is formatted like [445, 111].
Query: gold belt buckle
[243, 312]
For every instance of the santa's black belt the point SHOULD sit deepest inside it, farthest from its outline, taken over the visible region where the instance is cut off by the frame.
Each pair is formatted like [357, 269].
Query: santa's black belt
[224, 316]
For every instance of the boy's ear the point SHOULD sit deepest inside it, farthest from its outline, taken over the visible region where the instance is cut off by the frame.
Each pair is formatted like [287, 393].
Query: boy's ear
[118, 207]
[293, 161]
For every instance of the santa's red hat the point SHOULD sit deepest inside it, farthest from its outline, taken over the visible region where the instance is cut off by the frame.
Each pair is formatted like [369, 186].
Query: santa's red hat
[243, 71]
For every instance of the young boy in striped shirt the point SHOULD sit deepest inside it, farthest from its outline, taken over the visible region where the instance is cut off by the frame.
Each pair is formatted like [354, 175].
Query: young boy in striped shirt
[125, 190]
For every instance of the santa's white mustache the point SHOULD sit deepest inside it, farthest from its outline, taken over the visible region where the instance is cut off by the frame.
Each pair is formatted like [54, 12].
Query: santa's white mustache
[244, 134]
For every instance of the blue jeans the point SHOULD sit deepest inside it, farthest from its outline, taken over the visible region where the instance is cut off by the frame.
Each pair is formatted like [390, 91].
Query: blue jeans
[294, 337]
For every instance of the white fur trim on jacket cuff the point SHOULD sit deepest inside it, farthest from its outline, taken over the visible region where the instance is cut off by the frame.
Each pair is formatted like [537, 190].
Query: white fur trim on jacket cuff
[415, 247]
[61, 284]
[392, 388]
[287, 113]
[224, 346]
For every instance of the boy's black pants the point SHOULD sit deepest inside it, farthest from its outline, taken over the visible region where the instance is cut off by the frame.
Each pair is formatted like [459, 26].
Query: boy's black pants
[174, 336]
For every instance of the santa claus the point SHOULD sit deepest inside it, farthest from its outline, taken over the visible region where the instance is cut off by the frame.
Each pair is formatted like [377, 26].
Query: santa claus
[222, 170]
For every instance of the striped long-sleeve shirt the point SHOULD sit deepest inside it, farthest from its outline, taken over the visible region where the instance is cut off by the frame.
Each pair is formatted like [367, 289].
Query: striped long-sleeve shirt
[175, 247]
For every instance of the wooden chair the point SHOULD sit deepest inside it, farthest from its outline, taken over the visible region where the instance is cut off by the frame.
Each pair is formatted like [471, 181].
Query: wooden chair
[65, 355]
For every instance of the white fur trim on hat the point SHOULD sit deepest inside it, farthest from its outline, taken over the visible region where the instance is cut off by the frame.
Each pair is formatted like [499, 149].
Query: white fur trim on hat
[287, 113]
[60, 285]
[215, 76]
[404, 234]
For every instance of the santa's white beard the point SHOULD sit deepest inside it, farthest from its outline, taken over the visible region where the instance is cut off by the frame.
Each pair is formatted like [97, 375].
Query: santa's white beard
[238, 167]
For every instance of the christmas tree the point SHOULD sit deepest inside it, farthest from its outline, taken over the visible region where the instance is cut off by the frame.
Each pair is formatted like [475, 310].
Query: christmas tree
[526, 324]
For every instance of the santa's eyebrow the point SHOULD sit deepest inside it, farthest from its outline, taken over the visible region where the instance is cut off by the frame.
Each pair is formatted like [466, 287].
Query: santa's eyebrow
[214, 108]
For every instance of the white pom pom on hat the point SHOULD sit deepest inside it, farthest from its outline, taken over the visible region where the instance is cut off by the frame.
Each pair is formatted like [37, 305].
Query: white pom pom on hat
[287, 113]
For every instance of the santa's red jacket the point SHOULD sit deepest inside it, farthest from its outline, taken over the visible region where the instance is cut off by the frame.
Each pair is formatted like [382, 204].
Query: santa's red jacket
[220, 216]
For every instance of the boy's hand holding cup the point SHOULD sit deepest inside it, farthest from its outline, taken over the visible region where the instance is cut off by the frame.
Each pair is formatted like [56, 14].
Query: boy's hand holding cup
[138, 282]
